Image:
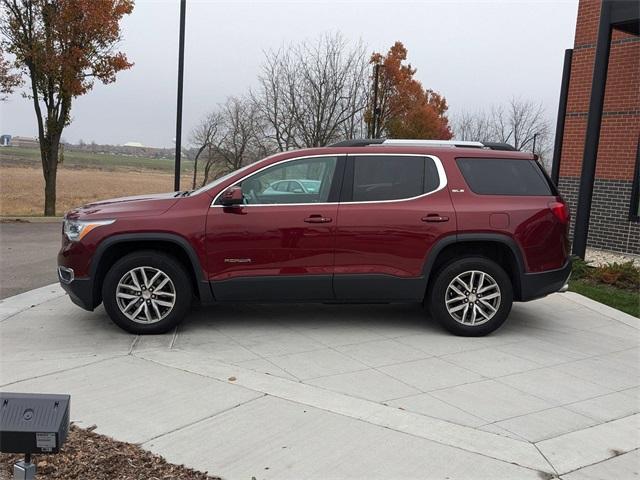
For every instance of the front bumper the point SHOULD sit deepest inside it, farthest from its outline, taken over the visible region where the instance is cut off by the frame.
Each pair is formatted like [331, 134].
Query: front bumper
[80, 290]
[537, 285]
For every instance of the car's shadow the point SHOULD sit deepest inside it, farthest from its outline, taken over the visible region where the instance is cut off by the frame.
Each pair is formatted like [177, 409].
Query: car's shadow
[390, 320]
[409, 317]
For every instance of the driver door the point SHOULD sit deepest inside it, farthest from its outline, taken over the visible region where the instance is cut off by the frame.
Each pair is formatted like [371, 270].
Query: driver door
[279, 244]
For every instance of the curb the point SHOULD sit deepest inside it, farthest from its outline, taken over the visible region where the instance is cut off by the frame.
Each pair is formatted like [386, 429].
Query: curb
[11, 306]
[9, 219]
[603, 309]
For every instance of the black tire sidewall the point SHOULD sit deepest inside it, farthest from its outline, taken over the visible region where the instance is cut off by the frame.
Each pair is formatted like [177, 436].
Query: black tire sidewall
[446, 274]
[161, 261]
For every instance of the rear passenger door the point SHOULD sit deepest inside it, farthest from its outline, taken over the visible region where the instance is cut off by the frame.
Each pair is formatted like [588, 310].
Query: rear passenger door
[393, 209]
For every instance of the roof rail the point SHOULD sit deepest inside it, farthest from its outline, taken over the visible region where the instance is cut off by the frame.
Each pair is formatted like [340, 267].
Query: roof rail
[499, 146]
[421, 143]
[358, 142]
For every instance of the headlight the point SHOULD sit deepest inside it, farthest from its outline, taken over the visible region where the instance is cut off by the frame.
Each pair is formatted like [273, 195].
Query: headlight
[75, 230]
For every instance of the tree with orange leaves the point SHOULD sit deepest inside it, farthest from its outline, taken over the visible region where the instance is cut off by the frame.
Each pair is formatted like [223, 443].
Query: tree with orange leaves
[62, 47]
[8, 79]
[405, 108]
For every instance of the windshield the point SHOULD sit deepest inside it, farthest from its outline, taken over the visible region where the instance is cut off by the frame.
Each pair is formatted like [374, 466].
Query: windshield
[220, 180]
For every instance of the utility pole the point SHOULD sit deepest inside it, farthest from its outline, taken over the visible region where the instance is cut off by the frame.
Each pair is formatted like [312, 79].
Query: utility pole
[533, 150]
[183, 6]
[376, 110]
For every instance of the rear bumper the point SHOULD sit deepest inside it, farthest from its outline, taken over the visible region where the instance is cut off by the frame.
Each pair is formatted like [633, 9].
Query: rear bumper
[80, 290]
[536, 285]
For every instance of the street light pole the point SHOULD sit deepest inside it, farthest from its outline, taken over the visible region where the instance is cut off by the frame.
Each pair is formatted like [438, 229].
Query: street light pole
[376, 73]
[176, 183]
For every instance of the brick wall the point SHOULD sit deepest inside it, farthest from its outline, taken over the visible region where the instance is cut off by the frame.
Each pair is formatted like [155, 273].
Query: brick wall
[610, 226]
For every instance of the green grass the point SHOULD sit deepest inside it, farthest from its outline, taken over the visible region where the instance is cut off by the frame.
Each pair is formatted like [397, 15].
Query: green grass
[31, 157]
[624, 300]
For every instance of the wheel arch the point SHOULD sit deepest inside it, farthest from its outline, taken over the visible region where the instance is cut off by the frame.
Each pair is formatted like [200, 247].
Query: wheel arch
[115, 247]
[500, 248]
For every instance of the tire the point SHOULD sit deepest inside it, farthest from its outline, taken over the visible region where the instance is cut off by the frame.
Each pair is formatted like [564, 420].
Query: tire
[171, 299]
[467, 312]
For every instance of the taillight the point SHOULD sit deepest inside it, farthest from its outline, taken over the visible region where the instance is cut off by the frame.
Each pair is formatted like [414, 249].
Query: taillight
[561, 211]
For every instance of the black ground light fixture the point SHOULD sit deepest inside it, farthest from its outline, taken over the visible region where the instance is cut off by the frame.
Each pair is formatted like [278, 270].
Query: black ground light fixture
[32, 423]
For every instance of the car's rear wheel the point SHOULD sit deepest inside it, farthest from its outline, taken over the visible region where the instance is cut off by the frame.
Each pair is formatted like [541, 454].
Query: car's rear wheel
[471, 296]
[147, 292]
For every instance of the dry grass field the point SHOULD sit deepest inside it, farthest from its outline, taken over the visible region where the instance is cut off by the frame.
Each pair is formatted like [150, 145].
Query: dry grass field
[22, 187]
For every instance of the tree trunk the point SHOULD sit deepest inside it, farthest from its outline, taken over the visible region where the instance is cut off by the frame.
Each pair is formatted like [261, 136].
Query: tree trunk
[50, 170]
[195, 173]
[195, 166]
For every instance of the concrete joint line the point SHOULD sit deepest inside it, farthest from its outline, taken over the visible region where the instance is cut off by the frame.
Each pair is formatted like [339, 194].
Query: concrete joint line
[440, 431]
[133, 344]
[601, 461]
[62, 370]
[195, 422]
[594, 444]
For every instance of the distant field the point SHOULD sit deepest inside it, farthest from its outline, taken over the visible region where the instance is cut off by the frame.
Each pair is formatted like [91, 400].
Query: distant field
[22, 188]
[82, 177]
[31, 157]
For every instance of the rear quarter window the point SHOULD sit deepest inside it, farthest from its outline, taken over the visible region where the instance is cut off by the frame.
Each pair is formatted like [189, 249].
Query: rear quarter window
[504, 176]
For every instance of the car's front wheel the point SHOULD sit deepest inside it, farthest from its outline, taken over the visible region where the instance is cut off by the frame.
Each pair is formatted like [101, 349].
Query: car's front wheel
[147, 292]
[471, 296]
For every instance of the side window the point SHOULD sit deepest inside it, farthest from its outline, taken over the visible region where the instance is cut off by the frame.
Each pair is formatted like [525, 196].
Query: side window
[504, 176]
[391, 177]
[268, 187]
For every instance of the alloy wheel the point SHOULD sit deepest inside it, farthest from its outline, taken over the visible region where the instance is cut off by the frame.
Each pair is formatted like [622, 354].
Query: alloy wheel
[473, 298]
[145, 295]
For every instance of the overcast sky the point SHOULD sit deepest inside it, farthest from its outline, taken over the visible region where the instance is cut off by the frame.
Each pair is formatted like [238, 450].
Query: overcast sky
[476, 53]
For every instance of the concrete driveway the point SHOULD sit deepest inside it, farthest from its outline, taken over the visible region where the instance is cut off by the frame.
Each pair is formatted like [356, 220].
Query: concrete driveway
[333, 392]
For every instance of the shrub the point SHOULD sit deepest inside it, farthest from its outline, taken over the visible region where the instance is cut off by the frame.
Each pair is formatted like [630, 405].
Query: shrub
[579, 268]
[622, 275]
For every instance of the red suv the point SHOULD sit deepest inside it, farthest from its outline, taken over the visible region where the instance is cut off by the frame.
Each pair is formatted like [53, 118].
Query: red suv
[465, 227]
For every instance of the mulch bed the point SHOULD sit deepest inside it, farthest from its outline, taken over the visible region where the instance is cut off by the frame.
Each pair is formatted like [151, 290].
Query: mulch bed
[89, 456]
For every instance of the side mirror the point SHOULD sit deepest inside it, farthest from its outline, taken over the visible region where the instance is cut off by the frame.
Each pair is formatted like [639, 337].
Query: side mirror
[232, 196]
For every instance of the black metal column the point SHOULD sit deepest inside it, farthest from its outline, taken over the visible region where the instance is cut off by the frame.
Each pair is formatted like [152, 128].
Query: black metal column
[594, 120]
[376, 73]
[562, 113]
[176, 182]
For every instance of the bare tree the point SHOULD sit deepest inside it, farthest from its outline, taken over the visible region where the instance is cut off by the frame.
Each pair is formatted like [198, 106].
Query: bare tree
[231, 137]
[238, 143]
[476, 126]
[202, 138]
[516, 123]
[312, 94]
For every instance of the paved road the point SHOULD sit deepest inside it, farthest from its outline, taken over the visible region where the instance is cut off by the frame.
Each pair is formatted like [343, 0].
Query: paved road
[27, 256]
[346, 391]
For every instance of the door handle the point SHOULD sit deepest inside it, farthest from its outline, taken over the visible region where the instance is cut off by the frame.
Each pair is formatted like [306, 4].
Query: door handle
[317, 219]
[435, 218]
